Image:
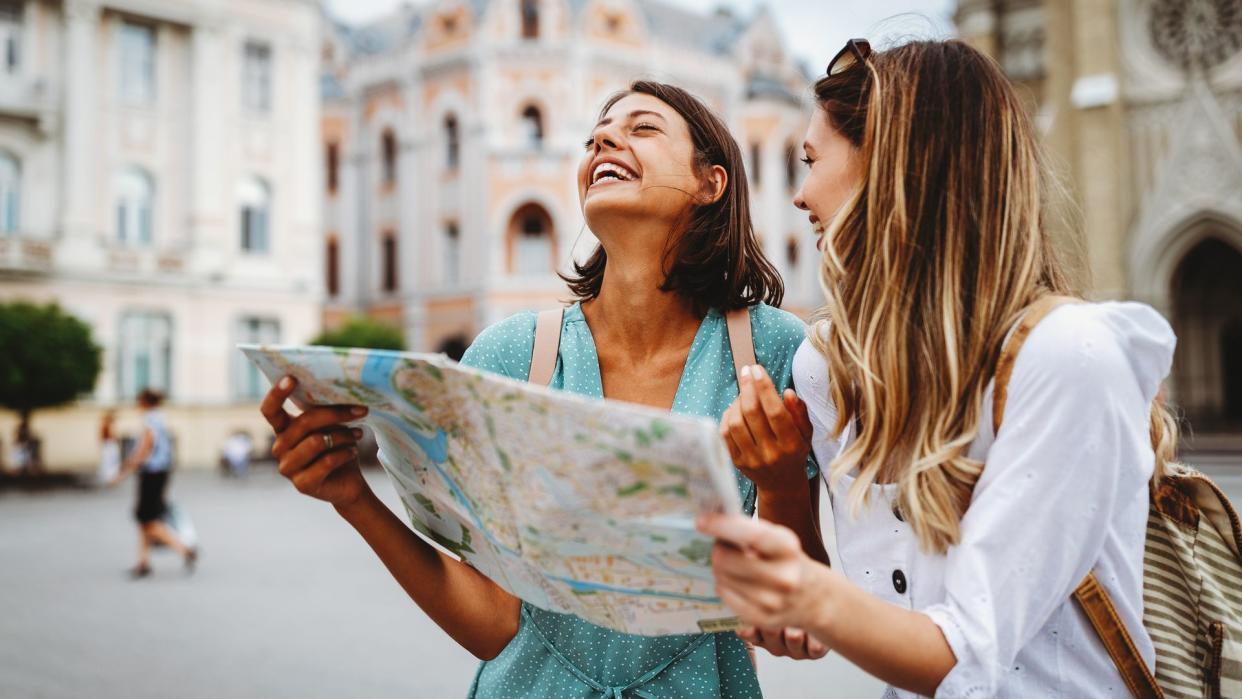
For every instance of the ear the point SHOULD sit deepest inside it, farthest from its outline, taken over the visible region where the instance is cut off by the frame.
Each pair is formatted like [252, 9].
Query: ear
[715, 181]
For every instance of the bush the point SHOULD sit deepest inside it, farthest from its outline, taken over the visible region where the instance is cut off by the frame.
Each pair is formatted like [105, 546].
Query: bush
[360, 331]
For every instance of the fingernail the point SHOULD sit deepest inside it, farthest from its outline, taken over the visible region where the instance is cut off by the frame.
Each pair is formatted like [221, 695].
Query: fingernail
[357, 433]
[745, 372]
[286, 383]
[358, 410]
[759, 372]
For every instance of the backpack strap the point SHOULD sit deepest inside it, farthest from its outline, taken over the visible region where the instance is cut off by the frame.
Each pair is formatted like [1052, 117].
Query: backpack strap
[741, 343]
[547, 346]
[1090, 594]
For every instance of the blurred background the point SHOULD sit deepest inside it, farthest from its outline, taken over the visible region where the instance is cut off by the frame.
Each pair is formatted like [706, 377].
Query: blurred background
[179, 176]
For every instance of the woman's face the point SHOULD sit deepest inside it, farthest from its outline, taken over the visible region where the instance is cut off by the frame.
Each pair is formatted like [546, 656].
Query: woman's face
[639, 165]
[834, 174]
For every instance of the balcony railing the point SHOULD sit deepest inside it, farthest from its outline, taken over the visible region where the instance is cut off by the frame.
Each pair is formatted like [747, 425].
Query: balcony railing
[22, 255]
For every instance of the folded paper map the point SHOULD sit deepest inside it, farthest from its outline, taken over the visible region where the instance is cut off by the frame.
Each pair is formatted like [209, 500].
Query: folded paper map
[575, 505]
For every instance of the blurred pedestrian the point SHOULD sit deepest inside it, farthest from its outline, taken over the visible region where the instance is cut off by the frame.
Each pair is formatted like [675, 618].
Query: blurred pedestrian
[153, 460]
[26, 459]
[109, 449]
[235, 455]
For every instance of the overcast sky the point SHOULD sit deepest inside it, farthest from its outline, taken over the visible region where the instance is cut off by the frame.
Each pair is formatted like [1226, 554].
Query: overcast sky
[816, 29]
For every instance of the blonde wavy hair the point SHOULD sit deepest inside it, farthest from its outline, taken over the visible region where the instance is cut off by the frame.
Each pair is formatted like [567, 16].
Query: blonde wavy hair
[927, 267]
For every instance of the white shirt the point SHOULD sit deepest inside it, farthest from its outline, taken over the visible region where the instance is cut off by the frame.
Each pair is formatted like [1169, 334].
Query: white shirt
[1064, 491]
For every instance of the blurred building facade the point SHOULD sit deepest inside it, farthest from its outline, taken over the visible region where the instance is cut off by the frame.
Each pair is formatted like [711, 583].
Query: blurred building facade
[1140, 104]
[159, 178]
[452, 132]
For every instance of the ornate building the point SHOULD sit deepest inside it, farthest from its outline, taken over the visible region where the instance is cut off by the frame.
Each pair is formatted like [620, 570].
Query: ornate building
[1140, 104]
[159, 179]
[452, 133]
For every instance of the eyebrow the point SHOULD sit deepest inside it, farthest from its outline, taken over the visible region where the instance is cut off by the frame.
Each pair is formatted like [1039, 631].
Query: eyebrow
[637, 112]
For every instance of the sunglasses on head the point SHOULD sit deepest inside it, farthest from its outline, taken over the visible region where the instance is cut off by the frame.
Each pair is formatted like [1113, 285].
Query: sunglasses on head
[853, 53]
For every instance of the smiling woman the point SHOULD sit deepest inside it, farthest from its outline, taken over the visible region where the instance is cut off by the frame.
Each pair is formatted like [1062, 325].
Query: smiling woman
[663, 189]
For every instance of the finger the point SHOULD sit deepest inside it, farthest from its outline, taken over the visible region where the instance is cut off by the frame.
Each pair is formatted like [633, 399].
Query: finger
[797, 409]
[313, 476]
[309, 449]
[814, 648]
[750, 634]
[751, 408]
[741, 606]
[742, 438]
[735, 454]
[795, 642]
[780, 421]
[314, 420]
[767, 539]
[273, 405]
[771, 643]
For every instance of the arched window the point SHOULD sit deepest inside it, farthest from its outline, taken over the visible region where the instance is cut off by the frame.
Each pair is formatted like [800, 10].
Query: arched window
[532, 127]
[10, 192]
[332, 162]
[791, 252]
[135, 200]
[1207, 369]
[452, 255]
[531, 241]
[756, 163]
[388, 260]
[791, 166]
[452, 142]
[333, 263]
[530, 19]
[254, 201]
[388, 150]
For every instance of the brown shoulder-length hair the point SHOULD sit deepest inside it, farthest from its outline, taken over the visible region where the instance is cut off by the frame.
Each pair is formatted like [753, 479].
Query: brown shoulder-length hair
[716, 261]
[926, 268]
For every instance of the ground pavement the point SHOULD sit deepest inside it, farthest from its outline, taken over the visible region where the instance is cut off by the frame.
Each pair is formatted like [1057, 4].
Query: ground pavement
[287, 602]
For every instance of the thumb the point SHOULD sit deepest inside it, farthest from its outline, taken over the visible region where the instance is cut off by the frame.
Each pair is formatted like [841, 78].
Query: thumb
[797, 408]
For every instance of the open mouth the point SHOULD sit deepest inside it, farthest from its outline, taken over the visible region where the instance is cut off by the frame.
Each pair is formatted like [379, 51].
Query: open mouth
[609, 172]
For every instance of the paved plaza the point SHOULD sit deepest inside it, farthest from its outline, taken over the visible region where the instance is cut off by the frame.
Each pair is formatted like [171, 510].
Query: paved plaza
[287, 602]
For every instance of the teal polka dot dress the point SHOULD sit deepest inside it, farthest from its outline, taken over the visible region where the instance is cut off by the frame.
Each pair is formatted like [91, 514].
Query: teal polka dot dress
[560, 655]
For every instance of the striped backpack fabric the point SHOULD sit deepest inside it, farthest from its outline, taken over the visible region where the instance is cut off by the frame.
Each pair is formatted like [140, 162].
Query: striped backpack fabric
[1192, 573]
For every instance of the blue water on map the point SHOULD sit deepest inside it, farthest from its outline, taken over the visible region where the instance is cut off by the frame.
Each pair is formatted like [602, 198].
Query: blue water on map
[377, 371]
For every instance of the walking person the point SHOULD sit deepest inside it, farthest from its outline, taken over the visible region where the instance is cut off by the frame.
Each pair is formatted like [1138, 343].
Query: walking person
[678, 272]
[152, 459]
[988, 438]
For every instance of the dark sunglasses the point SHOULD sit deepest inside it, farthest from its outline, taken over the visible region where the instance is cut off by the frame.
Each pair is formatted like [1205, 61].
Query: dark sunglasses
[855, 52]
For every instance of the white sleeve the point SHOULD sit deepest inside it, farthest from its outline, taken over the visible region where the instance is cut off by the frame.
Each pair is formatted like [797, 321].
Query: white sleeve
[1072, 449]
[810, 379]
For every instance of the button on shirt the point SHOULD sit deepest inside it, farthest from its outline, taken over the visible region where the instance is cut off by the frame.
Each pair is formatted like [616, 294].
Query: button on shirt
[1064, 491]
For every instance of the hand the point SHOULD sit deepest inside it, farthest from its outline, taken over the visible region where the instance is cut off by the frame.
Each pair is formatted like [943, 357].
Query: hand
[763, 575]
[785, 643]
[768, 435]
[316, 451]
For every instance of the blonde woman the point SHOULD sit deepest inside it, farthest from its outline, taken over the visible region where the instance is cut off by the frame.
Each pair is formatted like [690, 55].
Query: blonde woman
[954, 578]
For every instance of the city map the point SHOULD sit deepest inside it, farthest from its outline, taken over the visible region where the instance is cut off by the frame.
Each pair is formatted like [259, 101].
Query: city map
[573, 504]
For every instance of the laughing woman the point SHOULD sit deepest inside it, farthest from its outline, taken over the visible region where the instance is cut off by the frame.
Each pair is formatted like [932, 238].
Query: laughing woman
[962, 537]
[662, 186]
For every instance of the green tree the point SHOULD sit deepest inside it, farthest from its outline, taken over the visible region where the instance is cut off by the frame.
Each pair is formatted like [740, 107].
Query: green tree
[361, 331]
[47, 358]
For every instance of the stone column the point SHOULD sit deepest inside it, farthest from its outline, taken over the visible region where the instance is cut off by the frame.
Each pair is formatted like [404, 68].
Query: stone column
[208, 202]
[79, 162]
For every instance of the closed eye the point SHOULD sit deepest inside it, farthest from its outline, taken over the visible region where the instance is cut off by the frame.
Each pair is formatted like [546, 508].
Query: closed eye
[645, 126]
[806, 161]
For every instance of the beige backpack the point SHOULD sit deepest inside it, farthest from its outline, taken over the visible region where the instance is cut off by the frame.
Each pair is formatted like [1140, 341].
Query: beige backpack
[1192, 573]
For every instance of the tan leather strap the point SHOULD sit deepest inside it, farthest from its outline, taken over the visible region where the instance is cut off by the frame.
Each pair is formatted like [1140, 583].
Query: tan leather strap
[1093, 599]
[1009, 354]
[1090, 595]
[547, 345]
[740, 341]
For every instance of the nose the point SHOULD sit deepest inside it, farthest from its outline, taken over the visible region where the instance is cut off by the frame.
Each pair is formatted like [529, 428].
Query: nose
[799, 202]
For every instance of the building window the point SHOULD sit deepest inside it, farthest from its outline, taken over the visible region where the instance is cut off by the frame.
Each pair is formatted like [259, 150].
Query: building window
[531, 241]
[530, 19]
[257, 78]
[791, 166]
[756, 163]
[332, 158]
[452, 142]
[249, 382]
[388, 150]
[137, 63]
[135, 201]
[10, 193]
[791, 252]
[332, 260]
[388, 256]
[10, 36]
[452, 255]
[144, 353]
[254, 202]
[532, 127]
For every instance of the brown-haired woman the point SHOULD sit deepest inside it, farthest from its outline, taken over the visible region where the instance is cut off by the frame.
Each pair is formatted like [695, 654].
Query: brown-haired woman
[955, 579]
[662, 186]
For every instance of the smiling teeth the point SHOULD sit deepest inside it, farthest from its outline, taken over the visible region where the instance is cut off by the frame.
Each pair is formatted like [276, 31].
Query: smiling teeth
[602, 168]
